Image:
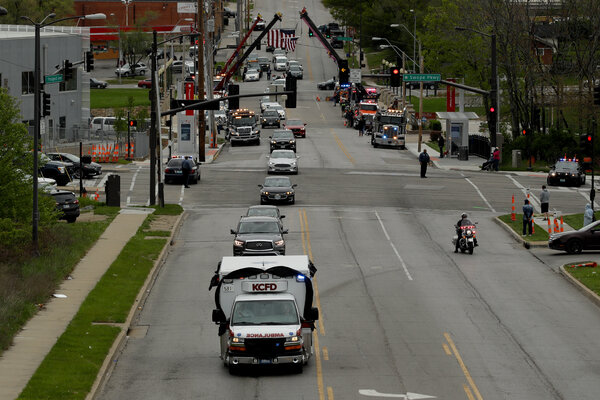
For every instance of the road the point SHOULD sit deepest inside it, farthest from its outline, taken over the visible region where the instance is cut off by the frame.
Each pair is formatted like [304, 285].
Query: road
[400, 312]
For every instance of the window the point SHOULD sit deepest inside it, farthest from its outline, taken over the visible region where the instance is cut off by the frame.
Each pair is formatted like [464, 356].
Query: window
[27, 83]
[71, 84]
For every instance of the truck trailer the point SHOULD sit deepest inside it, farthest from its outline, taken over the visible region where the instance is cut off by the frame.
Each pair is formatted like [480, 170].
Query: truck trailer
[264, 310]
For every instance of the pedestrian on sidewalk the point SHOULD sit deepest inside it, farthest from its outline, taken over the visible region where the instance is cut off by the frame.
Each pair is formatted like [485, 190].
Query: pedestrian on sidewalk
[545, 201]
[527, 218]
[441, 143]
[186, 167]
[496, 158]
[424, 160]
[588, 215]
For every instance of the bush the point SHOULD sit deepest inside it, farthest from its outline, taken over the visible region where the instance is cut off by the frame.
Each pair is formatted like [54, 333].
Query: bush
[435, 125]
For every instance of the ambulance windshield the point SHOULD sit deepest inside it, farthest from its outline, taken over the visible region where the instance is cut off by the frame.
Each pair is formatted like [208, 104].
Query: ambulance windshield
[265, 312]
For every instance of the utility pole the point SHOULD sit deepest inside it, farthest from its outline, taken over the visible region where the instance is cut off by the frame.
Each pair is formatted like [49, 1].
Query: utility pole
[421, 100]
[153, 118]
[200, 82]
[494, 94]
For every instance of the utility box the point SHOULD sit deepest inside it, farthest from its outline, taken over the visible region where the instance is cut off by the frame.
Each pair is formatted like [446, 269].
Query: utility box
[113, 191]
[516, 158]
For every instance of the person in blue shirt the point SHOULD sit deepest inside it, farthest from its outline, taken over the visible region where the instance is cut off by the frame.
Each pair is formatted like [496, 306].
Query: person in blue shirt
[424, 160]
[527, 218]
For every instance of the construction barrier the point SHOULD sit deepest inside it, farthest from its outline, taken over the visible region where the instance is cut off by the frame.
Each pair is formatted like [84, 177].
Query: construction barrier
[556, 228]
[512, 215]
[549, 227]
[590, 264]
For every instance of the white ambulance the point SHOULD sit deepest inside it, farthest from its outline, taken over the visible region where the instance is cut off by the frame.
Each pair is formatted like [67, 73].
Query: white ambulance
[264, 310]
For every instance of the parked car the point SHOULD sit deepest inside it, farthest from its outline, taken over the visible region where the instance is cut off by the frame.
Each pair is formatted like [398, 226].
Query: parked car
[259, 236]
[132, 70]
[586, 238]
[282, 139]
[282, 161]
[296, 126]
[174, 172]
[145, 83]
[97, 84]
[61, 172]
[327, 85]
[277, 189]
[103, 124]
[566, 172]
[279, 53]
[67, 203]
[89, 168]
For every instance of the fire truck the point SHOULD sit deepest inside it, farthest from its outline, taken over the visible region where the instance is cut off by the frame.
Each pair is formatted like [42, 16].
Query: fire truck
[389, 129]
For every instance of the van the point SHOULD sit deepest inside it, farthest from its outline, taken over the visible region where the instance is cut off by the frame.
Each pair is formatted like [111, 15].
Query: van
[103, 124]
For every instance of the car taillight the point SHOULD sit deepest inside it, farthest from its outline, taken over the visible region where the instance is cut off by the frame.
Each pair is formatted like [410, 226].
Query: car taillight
[76, 201]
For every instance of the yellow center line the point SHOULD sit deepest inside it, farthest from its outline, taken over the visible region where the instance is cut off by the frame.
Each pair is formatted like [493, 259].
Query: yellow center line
[325, 354]
[329, 393]
[341, 146]
[463, 366]
[315, 284]
[468, 392]
[319, 366]
[446, 349]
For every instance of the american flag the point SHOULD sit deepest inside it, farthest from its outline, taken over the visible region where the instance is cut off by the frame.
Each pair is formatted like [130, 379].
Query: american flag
[281, 40]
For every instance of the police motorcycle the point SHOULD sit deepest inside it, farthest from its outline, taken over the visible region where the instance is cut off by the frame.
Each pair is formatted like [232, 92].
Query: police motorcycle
[466, 239]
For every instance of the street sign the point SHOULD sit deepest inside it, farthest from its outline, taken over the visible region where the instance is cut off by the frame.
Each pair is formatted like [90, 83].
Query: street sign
[344, 38]
[422, 77]
[53, 78]
[355, 75]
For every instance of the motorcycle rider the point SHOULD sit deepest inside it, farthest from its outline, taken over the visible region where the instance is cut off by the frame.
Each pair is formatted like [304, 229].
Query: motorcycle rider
[463, 221]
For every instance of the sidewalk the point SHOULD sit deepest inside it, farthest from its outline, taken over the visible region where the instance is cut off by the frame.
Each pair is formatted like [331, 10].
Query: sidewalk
[32, 344]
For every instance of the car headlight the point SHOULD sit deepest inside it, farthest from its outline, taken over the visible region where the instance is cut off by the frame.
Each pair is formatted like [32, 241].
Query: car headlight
[265, 193]
[271, 163]
[469, 232]
[288, 193]
[237, 242]
[553, 174]
[61, 170]
[279, 242]
[293, 163]
[273, 141]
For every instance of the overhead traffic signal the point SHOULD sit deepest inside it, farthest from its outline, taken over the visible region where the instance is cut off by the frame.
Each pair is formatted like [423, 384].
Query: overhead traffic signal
[89, 61]
[310, 33]
[67, 70]
[344, 72]
[232, 90]
[290, 85]
[132, 123]
[46, 104]
[395, 77]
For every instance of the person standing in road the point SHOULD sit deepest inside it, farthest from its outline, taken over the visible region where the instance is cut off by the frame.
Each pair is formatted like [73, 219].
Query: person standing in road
[441, 143]
[361, 126]
[186, 167]
[424, 160]
[545, 201]
[269, 73]
[527, 218]
[496, 158]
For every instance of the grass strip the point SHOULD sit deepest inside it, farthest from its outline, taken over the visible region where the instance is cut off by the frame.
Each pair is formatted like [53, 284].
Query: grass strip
[589, 277]
[540, 234]
[115, 98]
[70, 368]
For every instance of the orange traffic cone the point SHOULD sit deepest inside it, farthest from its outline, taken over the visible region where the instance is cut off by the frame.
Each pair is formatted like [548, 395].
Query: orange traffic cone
[549, 227]
[562, 229]
[512, 215]
[556, 229]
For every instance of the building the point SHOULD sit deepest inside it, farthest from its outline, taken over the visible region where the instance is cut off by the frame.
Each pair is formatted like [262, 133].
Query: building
[70, 101]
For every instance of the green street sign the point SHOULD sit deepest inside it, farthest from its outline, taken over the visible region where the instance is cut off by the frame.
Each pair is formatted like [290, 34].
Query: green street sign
[422, 77]
[53, 78]
[344, 38]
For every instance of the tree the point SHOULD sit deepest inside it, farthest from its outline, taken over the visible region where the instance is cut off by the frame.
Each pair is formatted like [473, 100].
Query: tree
[35, 9]
[135, 45]
[16, 165]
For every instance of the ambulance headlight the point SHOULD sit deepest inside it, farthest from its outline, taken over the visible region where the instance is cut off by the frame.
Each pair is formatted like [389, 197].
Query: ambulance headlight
[237, 340]
[295, 339]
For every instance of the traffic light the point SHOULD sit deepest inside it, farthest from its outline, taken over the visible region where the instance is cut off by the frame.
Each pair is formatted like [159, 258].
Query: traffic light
[234, 104]
[597, 95]
[344, 72]
[46, 104]
[290, 85]
[67, 70]
[395, 77]
[585, 142]
[526, 131]
[493, 121]
[132, 123]
[89, 61]
[310, 33]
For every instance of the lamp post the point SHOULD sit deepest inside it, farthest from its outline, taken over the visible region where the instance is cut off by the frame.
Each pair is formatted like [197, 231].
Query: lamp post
[415, 40]
[36, 110]
[414, 33]
[396, 49]
[493, 112]
[126, 2]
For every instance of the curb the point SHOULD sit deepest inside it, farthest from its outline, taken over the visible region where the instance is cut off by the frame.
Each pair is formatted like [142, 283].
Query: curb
[214, 157]
[580, 286]
[517, 237]
[120, 342]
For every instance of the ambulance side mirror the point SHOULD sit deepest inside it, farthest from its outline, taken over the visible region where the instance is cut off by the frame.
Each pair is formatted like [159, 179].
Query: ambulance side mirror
[218, 316]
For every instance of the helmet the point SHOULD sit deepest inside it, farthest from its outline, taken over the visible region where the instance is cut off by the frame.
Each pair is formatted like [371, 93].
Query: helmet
[464, 215]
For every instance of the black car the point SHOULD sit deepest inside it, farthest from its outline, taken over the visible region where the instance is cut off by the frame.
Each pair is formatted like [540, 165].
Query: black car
[282, 139]
[89, 168]
[277, 189]
[61, 172]
[327, 85]
[67, 204]
[174, 172]
[96, 84]
[586, 238]
[566, 172]
[265, 211]
[259, 236]
[270, 118]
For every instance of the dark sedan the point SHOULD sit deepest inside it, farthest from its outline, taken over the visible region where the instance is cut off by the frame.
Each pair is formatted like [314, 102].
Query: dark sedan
[89, 168]
[566, 172]
[327, 85]
[61, 172]
[586, 238]
[259, 236]
[97, 84]
[277, 189]
[173, 171]
[282, 139]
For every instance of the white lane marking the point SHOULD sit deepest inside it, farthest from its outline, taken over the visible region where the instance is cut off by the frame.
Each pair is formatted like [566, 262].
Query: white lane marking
[393, 247]
[133, 184]
[103, 181]
[380, 173]
[586, 195]
[480, 194]
[407, 396]
[181, 195]
[533, 200]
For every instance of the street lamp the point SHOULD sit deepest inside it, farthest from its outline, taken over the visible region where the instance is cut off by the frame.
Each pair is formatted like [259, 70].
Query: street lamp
[3, 11]
[396, 49]
[414, 31]
[36, 109]
[415, 40]
[126, 2]
[493, 111]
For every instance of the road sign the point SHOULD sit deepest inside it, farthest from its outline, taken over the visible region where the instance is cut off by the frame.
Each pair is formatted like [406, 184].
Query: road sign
[422, 77]
[53, 78]
[355, 75]
[344, 38]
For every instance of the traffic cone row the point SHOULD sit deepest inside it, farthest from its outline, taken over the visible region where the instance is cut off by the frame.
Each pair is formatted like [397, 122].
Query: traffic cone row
[129, 148]
[105, 153]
